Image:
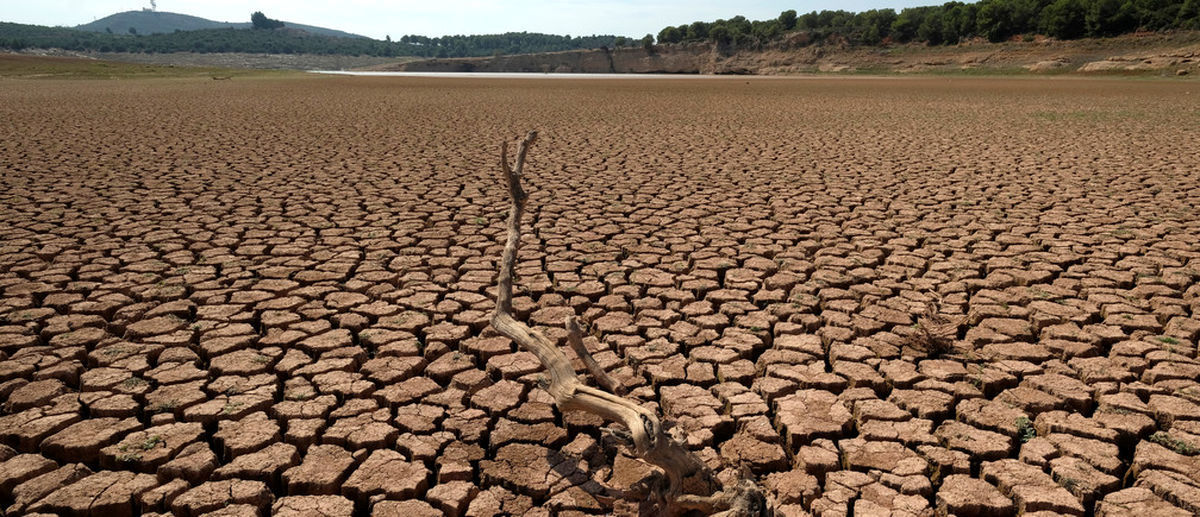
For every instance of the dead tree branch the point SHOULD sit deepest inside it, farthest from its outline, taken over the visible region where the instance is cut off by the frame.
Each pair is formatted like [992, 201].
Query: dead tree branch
[689, 485]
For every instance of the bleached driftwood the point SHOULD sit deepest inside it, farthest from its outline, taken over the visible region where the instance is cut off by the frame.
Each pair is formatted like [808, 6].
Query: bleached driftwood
[687, 485]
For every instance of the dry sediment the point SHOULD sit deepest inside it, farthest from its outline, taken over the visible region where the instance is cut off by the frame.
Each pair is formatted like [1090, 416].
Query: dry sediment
[273, 295]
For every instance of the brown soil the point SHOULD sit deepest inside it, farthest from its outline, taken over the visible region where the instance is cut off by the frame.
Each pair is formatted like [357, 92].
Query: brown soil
[271, 294]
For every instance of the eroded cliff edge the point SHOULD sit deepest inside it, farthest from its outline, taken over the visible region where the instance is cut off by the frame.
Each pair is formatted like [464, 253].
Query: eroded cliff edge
[1168, 54]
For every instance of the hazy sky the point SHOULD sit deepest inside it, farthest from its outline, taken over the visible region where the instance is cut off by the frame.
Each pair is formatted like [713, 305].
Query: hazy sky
[377, 18]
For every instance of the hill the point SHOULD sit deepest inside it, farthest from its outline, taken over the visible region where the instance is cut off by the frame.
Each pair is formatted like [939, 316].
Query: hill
[290, 40]
[157, 22]
[1176, 53]
[948, 24]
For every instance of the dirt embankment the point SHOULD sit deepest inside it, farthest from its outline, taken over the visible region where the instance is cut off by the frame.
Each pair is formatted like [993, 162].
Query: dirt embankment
[1177, 53]
[664, 59]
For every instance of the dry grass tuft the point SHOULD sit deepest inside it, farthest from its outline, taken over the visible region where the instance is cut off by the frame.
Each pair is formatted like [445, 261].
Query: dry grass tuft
[935, 333]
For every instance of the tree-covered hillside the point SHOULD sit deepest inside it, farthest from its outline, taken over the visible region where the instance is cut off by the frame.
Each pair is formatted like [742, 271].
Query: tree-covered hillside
[952, 22]
[156, 22]
[287, 40]
[949, 23]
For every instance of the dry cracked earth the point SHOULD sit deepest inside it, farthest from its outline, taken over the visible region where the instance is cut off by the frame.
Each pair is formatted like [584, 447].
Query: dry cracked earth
[272, 295]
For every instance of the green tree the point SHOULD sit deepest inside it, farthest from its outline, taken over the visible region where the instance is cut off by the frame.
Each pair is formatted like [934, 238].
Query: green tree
[1156, 15]
[1064, 19]
[904, 27]
[1189, 15]
[765, 31]
[739, 25]
[958, 21]
[258, 20]
[994, 21]
[670, 35]
[1024, 15]
[787, 20]
[872, 26]
[720, 35]
[931, 29]
[648, 42]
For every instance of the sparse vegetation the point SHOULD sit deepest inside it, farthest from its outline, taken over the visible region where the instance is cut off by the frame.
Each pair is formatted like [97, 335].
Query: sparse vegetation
[133, 383]
[1175, 444]
[1025, 429]
[131, 452]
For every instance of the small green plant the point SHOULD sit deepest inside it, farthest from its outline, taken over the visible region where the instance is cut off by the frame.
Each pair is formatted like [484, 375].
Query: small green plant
[300, 395]
[1174, 444]
[1040, 293]
[231, 407]
[151, 442]
[1168, 340]
[1025, 430]
[131, 452]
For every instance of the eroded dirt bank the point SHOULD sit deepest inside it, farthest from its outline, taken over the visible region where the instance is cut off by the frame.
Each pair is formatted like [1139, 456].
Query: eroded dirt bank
[1142, 54]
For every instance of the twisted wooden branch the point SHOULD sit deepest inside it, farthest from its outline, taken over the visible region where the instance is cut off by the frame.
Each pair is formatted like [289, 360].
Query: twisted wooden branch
[690, 486]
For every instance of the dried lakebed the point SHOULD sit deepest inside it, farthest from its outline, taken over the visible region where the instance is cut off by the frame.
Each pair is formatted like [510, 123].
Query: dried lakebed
[271, 295]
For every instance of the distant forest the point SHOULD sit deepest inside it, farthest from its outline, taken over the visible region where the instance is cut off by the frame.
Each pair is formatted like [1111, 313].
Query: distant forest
[291, 41]
[952, 22]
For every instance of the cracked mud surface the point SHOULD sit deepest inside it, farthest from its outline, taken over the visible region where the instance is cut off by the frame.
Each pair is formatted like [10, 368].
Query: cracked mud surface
[272, 295]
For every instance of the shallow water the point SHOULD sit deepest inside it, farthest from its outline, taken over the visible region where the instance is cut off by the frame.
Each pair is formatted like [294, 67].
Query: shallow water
[518, 75]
